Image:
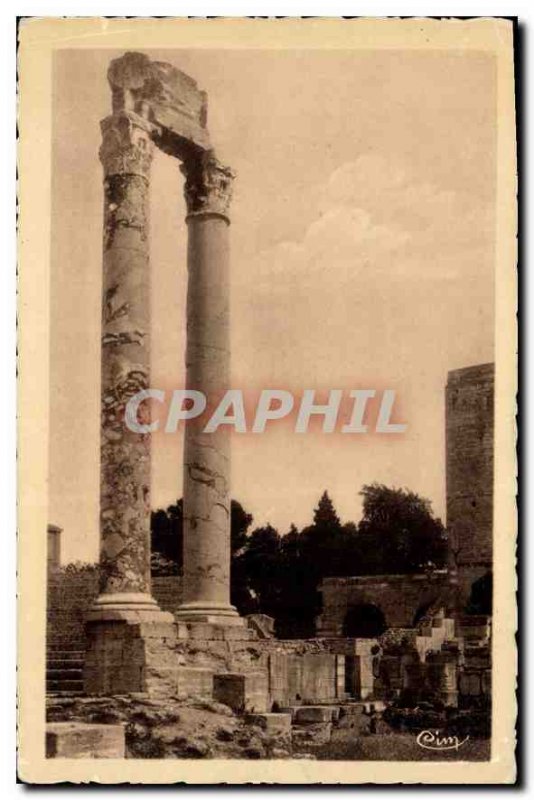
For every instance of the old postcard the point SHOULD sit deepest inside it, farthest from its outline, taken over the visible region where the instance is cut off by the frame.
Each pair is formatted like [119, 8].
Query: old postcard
[267, 371]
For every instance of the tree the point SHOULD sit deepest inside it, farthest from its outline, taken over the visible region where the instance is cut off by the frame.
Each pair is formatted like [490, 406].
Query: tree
[240, 522]
[325, 516]
[260, 563]
[167, 539]
[281, 575]
[166, 526]
[327, 542]
[400, 532]
[299, 601]
[240, 595]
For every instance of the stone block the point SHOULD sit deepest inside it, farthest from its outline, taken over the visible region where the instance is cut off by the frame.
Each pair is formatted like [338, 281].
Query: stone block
[174, 98]
[479, 661]
[470, 683]
[204, 631]
[313, 714]
[288, 710]
[340, 675]
[355, 709]
[242, 691]
[81, 740]
[127, 657]
[261, 624]
[194, 681]
[273, 724]
[238, 633]
[463, 684]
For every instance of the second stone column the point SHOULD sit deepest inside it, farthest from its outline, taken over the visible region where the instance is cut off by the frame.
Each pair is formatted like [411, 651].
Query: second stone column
[207, 455]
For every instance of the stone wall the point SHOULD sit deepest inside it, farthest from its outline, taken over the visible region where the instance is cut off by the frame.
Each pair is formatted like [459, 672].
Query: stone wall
[306, 678]
[72, 591]
[70, 594]
[167, 590]
[469, 433]
[399, 597]
[475, 677]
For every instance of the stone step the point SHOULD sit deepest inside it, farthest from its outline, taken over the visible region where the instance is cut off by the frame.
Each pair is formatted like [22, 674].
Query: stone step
[304, 715]
[66, 655]
[58, 693]
[56, 661]
[64, 685]
[58, 674]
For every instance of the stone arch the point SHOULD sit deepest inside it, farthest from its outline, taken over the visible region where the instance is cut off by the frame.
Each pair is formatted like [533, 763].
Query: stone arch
[481, 595]
[364, 621]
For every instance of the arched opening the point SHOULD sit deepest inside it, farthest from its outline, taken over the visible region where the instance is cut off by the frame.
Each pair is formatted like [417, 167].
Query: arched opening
[364, 621]
[481, 597]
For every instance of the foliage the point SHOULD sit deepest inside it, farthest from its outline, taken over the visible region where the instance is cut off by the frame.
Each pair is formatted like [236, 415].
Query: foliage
[161, 565]
[280, 575]
[167, 534]
[398, 532]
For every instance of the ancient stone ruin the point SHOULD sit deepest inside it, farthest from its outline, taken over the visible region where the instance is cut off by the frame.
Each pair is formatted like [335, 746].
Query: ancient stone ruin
[194, 644]
[156, 105]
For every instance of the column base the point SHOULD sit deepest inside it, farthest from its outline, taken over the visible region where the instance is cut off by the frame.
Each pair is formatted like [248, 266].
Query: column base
[127, 607]
[130, 646]
[211, 613]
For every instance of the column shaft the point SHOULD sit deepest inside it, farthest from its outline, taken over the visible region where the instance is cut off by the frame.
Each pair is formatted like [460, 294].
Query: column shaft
[126, 154]
[207, 455]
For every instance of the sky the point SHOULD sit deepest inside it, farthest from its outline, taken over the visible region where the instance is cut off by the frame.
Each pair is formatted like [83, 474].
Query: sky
[362, 242]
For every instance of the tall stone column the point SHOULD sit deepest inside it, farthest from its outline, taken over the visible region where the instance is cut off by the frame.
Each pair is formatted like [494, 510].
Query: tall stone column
[206, 554]
[126, 154]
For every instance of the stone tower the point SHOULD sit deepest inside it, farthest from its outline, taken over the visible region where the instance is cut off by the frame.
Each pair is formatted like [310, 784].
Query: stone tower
[469, 442]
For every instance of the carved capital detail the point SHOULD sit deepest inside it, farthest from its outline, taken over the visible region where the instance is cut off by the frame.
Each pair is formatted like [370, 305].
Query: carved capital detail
[127, 147]
[208, 185]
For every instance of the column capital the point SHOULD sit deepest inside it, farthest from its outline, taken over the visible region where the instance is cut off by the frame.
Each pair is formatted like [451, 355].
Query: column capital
[208, 186]
[127, 147]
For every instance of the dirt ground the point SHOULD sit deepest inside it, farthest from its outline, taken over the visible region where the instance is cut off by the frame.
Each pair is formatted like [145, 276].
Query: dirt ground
[197, 728]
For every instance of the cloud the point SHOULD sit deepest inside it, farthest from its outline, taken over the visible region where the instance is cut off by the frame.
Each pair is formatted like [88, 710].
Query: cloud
[371, 216]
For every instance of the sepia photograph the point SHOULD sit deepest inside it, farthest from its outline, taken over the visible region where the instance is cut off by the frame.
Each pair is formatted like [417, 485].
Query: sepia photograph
[268, 292]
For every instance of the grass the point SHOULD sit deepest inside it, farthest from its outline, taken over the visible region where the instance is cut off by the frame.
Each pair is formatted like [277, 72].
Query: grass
[397, 747]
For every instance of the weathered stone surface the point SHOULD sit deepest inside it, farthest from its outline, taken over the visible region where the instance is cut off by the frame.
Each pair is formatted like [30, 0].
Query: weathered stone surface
[312, 714]
[207, 454]
[127, 147]
[125, 657]
[305, 677]
[273, 724]
[311, 734]
[194, 682]
[82, 740]
[208, 185]
[469, 433]
[242, 691]
[261, 624]
[399, 597]
[129, 637]
[126, 155]
[170, 97]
